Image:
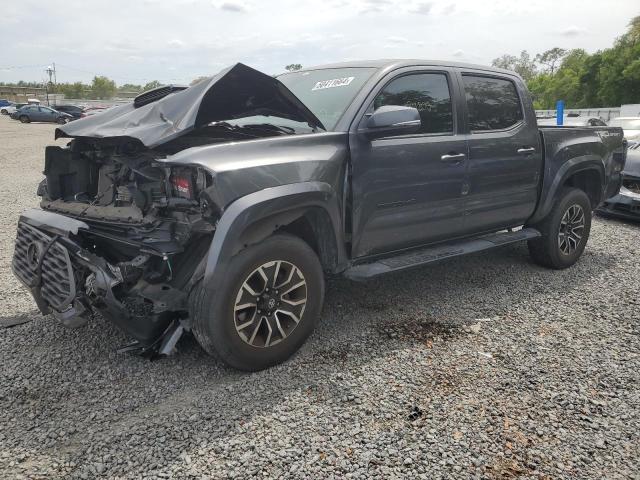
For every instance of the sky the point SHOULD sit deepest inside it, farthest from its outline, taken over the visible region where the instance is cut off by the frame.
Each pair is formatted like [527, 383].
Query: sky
[175, 41]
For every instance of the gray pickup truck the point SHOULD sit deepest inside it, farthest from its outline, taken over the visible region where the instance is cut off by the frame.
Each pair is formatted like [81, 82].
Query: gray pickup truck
[219, 208]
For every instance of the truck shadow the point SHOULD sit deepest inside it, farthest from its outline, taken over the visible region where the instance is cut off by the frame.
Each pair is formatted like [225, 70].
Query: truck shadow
[359, 322]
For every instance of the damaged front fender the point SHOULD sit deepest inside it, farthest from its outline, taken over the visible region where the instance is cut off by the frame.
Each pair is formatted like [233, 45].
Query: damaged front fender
[271, 202]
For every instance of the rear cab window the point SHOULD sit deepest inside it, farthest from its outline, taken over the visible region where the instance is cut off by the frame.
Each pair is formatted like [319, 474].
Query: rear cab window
[492, 103]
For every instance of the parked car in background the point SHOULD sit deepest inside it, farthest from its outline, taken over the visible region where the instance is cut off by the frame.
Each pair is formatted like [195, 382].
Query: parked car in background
[219, 208]
[73, 110]
[573, 121]
[630, 126]
[37, 113]
[90, 111]
[9, 109]
[5, 103]
[627, 203]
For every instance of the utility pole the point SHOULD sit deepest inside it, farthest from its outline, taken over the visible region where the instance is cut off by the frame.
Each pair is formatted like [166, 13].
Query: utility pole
[50, 71]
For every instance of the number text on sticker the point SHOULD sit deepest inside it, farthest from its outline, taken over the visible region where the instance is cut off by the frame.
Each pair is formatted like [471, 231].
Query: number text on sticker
[336, 82]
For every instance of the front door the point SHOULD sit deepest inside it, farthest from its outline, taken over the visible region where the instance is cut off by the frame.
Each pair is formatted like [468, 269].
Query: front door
[408, 190]
[48, 115]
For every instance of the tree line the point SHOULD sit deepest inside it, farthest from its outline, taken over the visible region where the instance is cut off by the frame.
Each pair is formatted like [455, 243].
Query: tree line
[100, 88]
[607, 78]
[103, 88]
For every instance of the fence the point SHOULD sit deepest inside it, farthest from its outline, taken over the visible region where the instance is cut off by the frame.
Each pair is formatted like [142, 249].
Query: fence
[93, 103]
[605, 114]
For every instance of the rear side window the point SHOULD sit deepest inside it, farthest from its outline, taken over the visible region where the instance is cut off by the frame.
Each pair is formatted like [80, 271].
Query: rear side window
[493, 103]
[428, 93]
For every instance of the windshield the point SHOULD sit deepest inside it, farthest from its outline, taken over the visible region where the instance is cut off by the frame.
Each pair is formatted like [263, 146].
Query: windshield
[327, 92]
[626, 123]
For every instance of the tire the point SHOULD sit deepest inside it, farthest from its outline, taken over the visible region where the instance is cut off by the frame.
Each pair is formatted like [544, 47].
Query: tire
[24, 119]
[558, 248]
[4, 112]
[61, 120]
[240, 337]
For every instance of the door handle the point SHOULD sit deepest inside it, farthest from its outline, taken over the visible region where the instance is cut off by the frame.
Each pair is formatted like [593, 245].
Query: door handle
[452, 157]
[526, 150]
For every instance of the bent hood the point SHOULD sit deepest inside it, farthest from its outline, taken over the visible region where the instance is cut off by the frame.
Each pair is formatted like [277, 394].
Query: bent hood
[236, 92]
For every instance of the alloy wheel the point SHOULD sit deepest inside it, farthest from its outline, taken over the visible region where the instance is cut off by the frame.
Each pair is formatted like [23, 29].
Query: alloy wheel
[270, 304]
[571, 229]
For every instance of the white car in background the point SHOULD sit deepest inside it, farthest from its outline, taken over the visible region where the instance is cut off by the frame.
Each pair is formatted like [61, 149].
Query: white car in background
[9, 109]
[630, 126]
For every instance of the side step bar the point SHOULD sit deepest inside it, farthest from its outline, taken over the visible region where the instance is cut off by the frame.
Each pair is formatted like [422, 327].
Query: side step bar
[425, 256]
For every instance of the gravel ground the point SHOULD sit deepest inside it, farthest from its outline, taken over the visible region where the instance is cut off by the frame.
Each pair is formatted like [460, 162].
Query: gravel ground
[483, 367]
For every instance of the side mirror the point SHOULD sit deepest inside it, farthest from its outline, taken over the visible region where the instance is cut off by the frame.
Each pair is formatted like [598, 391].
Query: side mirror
[392, 120]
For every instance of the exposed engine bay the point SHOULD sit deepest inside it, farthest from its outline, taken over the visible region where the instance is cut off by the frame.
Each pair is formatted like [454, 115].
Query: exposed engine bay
[144, 227]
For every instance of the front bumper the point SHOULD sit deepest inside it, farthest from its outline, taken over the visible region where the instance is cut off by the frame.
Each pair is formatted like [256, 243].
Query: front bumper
[72, 283]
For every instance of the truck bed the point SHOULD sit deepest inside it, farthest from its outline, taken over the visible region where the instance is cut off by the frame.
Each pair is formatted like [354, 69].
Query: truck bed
[604, 148]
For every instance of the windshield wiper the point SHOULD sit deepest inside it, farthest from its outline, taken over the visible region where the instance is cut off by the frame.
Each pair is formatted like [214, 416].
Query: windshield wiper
[270, 126]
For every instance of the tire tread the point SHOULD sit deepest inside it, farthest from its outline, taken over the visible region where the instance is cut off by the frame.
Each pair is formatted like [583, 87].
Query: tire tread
[543, 249]
[208, 329]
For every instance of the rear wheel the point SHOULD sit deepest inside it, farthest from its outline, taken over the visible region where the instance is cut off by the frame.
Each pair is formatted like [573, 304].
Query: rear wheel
[24, 119]
[4, 111]
[565, 231]
[266, 309]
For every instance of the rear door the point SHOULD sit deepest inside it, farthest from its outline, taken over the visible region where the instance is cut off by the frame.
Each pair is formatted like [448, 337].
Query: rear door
[408, 189]
[31, 112]
[505, 157]
[41, 114]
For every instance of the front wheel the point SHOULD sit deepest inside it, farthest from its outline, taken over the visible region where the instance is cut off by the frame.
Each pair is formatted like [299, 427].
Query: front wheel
[4, 111]
[62, 120]
[24, 119]
[268, 306]
[565, 231]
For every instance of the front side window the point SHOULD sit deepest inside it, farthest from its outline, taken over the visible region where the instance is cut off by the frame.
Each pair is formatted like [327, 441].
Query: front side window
[428, 93]
[493, 103]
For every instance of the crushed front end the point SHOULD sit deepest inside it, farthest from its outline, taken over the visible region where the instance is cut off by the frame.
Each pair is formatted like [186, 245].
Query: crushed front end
[128, 212]
[119, 232]
[625, 204]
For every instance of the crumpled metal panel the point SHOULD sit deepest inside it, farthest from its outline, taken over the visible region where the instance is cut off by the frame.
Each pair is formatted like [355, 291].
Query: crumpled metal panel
[632, 165]
[236, 92]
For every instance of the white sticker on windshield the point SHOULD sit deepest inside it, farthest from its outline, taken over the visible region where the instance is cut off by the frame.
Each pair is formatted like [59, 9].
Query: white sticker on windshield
[336, 82]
